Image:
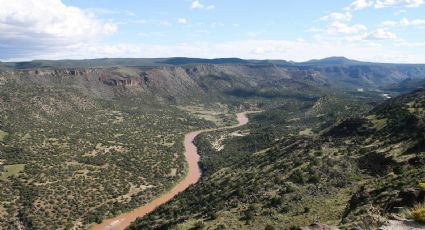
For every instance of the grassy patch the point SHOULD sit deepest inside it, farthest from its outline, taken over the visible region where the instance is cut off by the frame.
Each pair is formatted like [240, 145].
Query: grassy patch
[377, 123]
[3, 135]
[218, 113]
[10, 170]
[306, 132]
[418, 213]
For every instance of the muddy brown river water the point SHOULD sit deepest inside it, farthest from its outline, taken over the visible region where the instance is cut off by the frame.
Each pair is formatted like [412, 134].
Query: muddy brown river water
[194, 173]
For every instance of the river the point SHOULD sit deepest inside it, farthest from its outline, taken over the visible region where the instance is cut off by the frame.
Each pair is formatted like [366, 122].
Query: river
[194, 173]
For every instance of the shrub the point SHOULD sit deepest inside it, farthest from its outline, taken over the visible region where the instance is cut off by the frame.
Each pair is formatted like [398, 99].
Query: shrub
[418, 213]
[199, 225]
[398, 170]
[269, 227]
[314, 179]
[297, 177]
[213, 215]
[284, 209]
[276, 201]
[422, 185]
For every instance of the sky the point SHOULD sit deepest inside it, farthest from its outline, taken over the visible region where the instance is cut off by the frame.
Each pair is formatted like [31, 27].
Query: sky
[368, 30]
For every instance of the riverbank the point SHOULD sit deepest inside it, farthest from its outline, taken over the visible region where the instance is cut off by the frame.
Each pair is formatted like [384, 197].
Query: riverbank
[193, 174]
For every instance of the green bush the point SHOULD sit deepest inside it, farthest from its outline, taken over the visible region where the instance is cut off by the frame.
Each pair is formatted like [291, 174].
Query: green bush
[269, 227]
[398, 170]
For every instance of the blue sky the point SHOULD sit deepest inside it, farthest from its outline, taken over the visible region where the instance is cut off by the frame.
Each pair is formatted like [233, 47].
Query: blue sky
[370, 30]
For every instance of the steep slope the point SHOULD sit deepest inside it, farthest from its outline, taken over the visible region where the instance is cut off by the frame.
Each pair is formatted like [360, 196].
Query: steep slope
[406, 86]
[176, 83]
[335, 70]
[369, 75]
[352, 174]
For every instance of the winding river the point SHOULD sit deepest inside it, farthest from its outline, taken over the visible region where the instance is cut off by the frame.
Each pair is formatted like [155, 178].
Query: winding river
[194, 173]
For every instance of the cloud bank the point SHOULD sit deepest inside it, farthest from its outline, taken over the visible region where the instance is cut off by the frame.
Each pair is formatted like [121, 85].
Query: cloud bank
[46, 24]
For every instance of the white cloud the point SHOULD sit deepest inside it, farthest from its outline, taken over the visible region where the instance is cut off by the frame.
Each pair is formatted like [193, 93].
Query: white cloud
[42, 24]
[416, 22]
[182, 21]
[342, 28]
[377, 35]
[359, 4]
[404, 22]
[389, 23]
[50, 19]
[381, 34]
[198, 5]
[337, 17]
[398, 3]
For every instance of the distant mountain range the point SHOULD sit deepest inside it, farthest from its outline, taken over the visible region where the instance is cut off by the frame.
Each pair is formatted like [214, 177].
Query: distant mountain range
[109, 62]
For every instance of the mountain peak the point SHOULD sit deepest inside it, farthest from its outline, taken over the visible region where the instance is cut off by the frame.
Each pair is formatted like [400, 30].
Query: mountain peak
[336, 60]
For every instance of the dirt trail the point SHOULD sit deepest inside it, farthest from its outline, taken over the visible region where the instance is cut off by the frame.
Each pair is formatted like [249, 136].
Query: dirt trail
[194, 173]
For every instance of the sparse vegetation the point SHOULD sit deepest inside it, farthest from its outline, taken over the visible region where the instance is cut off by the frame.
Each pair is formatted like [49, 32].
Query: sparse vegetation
[418, 213]
[80, 145]
[72, 160]
[353, 169]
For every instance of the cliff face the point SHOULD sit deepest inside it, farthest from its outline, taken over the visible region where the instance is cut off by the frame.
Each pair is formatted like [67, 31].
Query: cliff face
[178, 82]
[182, 82]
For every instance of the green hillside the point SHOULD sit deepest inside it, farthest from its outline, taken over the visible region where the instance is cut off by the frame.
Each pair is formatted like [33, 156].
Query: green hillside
[353, 174]
[81, 144]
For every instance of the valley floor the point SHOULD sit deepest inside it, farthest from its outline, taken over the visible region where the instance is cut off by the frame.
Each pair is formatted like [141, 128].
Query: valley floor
[192, 176]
